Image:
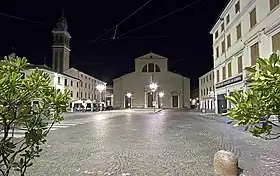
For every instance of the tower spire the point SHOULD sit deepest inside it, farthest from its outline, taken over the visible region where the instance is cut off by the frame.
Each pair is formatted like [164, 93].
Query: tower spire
[61, 45]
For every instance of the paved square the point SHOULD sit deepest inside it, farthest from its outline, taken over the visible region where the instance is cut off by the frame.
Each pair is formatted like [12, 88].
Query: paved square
[165, 143]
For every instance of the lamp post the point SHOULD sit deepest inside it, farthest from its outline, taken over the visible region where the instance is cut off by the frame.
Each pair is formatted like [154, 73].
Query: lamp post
[129, 95]
[161, 95]
[100, 88]
[153, 86]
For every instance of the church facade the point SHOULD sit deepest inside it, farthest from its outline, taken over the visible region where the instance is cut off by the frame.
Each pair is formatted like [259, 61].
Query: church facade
[151, 85]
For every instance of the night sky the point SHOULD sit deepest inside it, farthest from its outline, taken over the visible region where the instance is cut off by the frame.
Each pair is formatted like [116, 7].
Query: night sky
[185, 37]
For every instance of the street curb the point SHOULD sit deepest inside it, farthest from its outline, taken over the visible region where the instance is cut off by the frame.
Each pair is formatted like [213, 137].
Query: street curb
[217, 117]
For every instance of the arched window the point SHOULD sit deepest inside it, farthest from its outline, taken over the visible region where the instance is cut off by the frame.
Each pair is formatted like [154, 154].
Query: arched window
[145, 68]
[157, 68]
[151, 67]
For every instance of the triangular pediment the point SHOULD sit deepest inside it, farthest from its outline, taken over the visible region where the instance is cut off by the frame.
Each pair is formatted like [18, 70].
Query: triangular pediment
[151, 55]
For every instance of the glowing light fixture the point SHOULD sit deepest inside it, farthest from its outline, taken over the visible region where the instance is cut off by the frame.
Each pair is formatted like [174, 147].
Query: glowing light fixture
[161, 94]
[129, 95]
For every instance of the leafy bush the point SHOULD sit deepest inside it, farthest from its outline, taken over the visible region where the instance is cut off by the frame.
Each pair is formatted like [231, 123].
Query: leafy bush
[255, 106]
[17, 109]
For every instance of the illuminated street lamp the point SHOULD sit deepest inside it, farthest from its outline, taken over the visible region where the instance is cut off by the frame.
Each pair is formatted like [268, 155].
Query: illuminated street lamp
[100, 88]
[161, 94]
[129, 95]
[153, 86]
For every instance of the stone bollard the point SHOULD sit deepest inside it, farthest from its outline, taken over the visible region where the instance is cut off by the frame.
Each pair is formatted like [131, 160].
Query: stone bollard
[225, 163]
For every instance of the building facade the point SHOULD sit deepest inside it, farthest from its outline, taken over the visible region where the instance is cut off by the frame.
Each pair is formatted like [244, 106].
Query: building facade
[206, 91]
[59, 81]
[246, 29]
[151, 85]
[88, 86]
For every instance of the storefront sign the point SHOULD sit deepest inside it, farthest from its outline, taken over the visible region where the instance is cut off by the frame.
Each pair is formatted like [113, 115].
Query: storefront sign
[230, 81]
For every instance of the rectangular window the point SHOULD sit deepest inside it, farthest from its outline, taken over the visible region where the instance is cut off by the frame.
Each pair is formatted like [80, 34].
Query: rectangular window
[237, 7]
[71, 83]
[276, 42]
[273, 4]
[217, 52]
[224, 73]
[81, 84]
[77, 84]
[223, 47]
[229, 70]
[88, 86]
[58, 80]
[228, 19]
[253, 18]
[201, 92]
[228, 40]
[85, 95]
[65, 82]
[238, 31]
[218, 76]
[239, 64]
[254, 53]
[71, 94]
[206, 78]
[85, 85]
[216, 34]
[210, 77]
[81, 94]
[223, 27]
[77, 94]
[210, 89]
[88, 95]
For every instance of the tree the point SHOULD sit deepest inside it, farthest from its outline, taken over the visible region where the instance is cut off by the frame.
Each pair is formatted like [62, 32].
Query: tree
[28, 103]
[255, 107]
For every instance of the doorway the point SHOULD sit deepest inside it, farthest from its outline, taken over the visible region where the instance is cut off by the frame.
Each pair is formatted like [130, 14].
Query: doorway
[150, 99]
[222, 103]
[127, 102]
[175, 101]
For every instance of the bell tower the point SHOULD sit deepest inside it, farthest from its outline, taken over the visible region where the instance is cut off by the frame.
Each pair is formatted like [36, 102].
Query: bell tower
[61, 46]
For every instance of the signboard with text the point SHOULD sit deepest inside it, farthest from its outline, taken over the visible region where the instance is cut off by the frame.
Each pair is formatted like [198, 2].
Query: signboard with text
[229, 81]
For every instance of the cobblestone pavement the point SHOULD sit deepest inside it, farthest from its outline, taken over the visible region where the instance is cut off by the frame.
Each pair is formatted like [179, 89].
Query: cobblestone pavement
[167, 143]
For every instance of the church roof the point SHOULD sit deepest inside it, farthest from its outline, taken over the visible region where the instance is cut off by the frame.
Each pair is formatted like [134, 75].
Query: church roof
[151, 55]
[45, 67]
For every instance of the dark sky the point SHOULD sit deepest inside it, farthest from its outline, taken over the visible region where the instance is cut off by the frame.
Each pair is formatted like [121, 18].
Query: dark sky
[188, 45]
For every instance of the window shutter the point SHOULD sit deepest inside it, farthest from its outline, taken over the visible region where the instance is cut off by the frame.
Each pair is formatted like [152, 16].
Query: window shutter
[224, 73]
[254, 53]
[229, 70]
[240, 64]
[253, 18]
[276, 42]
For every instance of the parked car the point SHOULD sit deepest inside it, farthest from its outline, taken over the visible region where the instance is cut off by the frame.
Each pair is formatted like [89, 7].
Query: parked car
[108, 108]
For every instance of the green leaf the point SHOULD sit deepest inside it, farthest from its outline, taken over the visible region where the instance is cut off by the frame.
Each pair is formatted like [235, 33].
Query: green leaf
[262, 62]
[250, 69]
[273, 59]
[231, 99]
